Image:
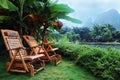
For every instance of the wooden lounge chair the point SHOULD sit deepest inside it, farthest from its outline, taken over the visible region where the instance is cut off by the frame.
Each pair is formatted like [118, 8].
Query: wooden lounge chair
[20, 60]
[50, 54]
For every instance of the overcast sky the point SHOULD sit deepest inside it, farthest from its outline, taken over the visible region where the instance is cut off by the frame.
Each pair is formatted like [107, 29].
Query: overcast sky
[89, 9]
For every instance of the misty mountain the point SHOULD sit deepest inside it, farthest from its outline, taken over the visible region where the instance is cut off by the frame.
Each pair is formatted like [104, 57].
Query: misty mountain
[88, 23]
[109, 17]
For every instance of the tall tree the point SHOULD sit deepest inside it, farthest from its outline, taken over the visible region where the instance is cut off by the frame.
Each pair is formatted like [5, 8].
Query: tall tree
[102, 32]
[65, 30]
[84, 33]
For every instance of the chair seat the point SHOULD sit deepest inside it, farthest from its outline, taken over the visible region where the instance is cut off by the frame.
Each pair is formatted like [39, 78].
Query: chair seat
[30, 57]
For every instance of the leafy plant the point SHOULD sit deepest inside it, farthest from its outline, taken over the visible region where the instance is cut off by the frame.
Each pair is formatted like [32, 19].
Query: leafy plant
[104, 63]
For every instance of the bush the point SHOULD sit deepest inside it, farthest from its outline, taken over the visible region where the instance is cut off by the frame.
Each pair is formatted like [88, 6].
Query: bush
[104, 63]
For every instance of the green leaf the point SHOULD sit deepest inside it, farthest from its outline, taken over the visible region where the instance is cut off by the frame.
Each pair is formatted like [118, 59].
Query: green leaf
[4, 18]
[22, 2]
[61, 8]
[30, 1]
[8, 5]
[72, 19]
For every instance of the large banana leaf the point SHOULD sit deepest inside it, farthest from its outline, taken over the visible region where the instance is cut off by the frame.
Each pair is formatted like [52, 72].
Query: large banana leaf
[6, 4]
[74, 20]
[61, 10]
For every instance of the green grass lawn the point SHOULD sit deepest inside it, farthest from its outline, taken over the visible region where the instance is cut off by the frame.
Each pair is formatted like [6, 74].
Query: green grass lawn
[66, 70]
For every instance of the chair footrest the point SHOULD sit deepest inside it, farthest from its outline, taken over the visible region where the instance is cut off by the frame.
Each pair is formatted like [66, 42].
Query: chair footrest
[59, 62]
[37, 70]
[16, 70]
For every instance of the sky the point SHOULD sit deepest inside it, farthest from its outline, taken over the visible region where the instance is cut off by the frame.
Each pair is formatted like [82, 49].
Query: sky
[89, 9]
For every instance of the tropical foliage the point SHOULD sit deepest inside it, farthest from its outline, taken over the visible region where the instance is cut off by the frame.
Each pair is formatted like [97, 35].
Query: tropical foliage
[98, 33]
[103, 63]
[33, 16]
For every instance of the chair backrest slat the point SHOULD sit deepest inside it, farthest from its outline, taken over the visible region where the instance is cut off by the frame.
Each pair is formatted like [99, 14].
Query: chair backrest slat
[31, 40]
[32, 43]
[12, 40]
[14, 43]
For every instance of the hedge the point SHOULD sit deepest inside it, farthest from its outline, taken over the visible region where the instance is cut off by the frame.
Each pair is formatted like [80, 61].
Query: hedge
[101, 62]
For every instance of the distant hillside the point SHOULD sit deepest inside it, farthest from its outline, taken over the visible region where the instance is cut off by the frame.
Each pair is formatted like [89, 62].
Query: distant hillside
[88, 23]
[110, 17]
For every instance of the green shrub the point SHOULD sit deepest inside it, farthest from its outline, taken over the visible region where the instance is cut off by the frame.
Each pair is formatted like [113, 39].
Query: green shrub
[104, 63]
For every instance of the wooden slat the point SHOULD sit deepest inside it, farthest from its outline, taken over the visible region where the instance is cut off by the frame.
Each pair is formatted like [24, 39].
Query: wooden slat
[16, 70]
[37, 70]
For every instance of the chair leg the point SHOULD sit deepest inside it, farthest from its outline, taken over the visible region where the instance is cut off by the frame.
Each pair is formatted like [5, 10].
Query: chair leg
[31, 68]
[42, 63]
[7, 65]
[57, 59]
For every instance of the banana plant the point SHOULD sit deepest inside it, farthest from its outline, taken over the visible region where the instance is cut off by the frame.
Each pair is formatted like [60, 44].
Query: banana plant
[48, 12]
[13, 11]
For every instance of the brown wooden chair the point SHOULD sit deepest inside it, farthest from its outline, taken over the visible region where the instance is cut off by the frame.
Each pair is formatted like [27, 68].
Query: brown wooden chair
[20, 60]
[50, 54]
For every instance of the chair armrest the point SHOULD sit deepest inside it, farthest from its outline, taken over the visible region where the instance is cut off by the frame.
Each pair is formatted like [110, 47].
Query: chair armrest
[48, 43]
[18, 48]
[36, 46]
